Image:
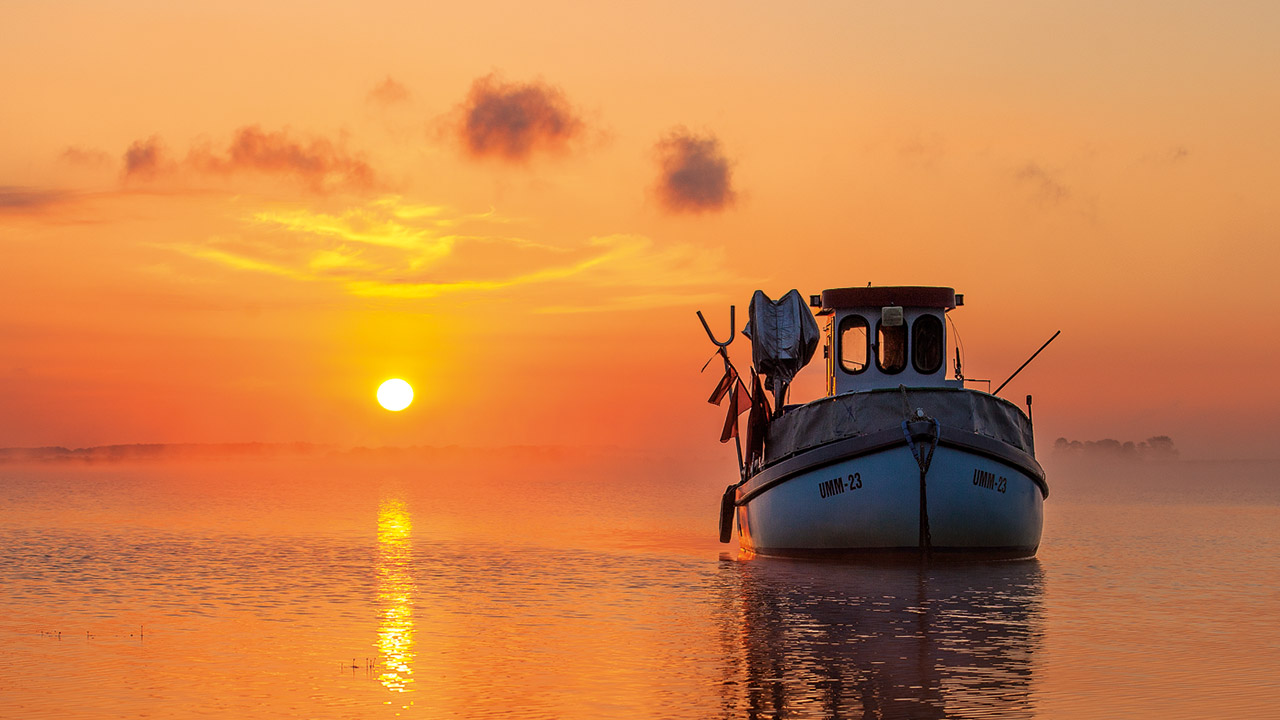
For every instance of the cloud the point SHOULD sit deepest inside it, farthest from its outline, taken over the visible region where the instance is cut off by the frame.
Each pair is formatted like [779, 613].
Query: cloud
[638, 273]
[317, 163]
[26, 200]
[634, 302]
[388, 93]
[512, 121]
[382, 243]
[237, 258]
[1172, 155]
[607, 271]
[923, 151]
[695, 176]
[49, 206]
[85, 157]
[144, 158]
[390, 248]
[1044, 182]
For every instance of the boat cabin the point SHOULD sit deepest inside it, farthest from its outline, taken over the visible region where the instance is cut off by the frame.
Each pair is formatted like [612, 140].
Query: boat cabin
[879, 337]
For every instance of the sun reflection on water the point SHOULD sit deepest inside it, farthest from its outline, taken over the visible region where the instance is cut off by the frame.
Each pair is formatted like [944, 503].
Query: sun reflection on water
[395, 595]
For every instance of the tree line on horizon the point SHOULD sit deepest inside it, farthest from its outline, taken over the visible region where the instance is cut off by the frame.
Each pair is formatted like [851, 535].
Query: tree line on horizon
[1158, 447]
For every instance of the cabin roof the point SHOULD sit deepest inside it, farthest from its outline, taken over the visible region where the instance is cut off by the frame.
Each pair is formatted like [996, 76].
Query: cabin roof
[885, 296]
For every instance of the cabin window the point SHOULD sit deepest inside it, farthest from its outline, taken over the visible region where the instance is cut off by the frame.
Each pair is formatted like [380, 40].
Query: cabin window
[926, 344]
[891, 348]
[853, 344]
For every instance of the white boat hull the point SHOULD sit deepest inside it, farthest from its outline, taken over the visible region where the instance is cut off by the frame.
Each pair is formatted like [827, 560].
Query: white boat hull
[868, 503]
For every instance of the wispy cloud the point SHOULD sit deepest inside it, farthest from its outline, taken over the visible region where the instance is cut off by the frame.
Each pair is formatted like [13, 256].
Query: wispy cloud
[640, 273]
[694, 173]
[1171, 155]
[317, 162]
[1043, 182]
[922, 150]
[390, 248]
[86, 157]
[634, 302]
[596, 252]
[28, 200]
[48, 206]
[511, 121]
[388, 93]
[237, 260]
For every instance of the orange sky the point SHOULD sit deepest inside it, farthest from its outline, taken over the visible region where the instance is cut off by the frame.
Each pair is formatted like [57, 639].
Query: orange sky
[227, 223]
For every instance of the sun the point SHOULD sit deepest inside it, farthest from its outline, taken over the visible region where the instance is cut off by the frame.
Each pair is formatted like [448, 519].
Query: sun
[395, 394]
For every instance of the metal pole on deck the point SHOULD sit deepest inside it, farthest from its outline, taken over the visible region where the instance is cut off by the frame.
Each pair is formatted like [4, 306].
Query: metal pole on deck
[728, 367]
[728, 502]
[1028, 362]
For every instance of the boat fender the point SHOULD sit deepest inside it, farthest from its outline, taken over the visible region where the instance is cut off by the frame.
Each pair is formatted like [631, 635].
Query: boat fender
[727, 505]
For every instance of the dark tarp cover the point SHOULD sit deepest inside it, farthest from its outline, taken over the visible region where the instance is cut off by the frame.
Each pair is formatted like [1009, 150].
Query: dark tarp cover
[783, 335]
[861, 413]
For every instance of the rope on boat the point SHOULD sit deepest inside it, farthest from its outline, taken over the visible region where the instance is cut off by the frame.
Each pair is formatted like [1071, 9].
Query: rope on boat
[923, 459]
[906, 404]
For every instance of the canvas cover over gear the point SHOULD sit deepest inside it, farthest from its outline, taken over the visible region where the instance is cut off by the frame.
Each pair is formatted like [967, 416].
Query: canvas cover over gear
[783, 335]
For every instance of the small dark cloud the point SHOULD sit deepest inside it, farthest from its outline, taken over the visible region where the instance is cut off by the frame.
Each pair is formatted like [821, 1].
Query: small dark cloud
[695, 176]
[144, 158]
[388, 93]
[1044, 182]
[511, 121]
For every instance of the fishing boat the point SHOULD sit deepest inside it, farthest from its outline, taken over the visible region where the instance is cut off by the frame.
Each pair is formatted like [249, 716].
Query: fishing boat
[900, 457]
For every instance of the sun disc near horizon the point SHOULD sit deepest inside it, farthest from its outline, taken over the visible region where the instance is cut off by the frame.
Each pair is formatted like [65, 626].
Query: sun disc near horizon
[395, 394]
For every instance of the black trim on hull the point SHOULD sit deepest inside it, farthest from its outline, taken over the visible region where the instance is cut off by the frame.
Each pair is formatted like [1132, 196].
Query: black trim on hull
[896, 554]
[853, 447]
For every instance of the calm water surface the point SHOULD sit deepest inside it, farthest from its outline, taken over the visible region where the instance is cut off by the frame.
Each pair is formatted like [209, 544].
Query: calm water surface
[531, 586]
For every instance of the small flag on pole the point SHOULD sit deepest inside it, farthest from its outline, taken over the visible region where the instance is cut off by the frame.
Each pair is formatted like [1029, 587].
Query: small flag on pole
[757, 421]
[739, 402]
[730, 430]
[744, 397]
[723, 387]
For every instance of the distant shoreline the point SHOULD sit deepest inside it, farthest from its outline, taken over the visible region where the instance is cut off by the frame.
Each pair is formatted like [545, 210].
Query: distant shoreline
[157, 451]
[250, 450]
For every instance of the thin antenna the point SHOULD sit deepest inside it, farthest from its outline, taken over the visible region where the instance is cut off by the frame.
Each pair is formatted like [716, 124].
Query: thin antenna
[1028, 362]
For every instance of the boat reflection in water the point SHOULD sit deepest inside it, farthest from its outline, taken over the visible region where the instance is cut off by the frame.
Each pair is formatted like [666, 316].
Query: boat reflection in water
[882, 641]
[395, 596]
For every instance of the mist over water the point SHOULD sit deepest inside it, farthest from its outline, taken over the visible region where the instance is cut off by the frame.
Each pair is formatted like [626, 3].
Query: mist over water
[544, 585]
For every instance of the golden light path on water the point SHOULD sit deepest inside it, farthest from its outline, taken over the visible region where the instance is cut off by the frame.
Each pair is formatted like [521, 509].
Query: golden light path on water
[395, 596]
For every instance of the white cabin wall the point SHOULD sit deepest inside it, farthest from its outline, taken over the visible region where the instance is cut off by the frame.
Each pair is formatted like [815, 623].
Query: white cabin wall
[838, 381]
